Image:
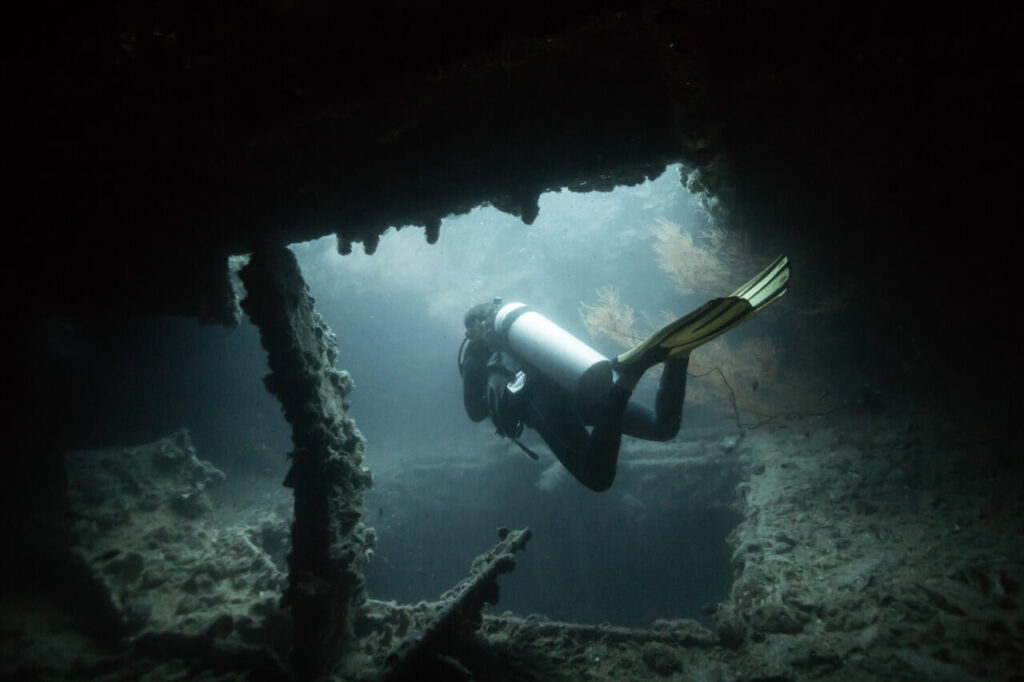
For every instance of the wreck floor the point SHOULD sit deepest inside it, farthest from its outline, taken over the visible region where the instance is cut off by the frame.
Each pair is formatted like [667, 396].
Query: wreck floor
[869, 546]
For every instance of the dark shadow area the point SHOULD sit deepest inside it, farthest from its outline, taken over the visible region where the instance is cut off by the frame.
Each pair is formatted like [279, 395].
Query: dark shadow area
[648, 549]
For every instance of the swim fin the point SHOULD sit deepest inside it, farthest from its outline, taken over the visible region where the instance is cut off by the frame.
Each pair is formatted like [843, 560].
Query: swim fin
[709, 321]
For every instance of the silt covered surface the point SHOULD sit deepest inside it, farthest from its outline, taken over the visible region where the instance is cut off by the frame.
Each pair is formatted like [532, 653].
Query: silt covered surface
[856, 554]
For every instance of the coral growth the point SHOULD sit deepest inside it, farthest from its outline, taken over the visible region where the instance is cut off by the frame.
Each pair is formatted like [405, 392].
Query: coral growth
[730, 376]
[610, 317]
[707, 263]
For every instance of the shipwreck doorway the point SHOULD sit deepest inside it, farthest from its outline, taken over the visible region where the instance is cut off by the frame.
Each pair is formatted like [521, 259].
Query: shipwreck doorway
[652, 547]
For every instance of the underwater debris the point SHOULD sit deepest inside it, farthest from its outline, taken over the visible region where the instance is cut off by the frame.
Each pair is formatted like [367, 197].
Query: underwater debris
[680, 632]
[157, 573]
[457, 614]
[823, 588]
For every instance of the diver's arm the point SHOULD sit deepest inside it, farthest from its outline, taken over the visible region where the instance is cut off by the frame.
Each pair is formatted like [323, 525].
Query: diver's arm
[474, 380]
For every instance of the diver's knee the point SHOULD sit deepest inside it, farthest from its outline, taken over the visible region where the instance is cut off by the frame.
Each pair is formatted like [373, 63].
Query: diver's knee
[667, 431]
[599, 482]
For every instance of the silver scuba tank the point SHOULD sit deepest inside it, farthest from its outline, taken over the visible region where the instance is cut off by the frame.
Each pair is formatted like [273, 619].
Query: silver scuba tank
[574, 365]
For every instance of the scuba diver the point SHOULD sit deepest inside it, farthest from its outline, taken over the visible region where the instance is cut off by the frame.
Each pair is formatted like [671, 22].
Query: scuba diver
[523, 370]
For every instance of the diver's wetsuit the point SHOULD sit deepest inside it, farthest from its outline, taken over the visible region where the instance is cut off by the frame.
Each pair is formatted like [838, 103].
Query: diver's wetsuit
[550, 410]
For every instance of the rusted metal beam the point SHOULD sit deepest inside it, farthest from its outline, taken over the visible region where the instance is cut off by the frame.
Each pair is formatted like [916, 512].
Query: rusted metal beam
[458, 612]
[329, 543]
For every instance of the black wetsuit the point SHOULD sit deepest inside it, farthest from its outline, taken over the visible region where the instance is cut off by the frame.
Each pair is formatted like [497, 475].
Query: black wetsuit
[550, 410]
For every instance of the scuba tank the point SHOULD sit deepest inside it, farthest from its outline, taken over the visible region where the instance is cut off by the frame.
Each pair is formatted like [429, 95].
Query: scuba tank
[572, 364]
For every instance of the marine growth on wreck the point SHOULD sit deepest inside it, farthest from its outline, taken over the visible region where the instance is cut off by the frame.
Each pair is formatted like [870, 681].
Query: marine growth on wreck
[242, 242]
[777, 535]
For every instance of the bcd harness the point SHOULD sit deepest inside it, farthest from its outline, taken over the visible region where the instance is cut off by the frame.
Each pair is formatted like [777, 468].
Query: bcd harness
[506, 397]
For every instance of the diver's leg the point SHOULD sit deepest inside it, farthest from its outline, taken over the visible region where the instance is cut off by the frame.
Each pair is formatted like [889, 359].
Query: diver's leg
[590, 457]
[661, 423]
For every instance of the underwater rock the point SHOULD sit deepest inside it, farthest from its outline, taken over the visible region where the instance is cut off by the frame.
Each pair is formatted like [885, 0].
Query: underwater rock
[844, 563]
[768, 618]
[191, 505]
[731, 629]
[168, 566]
[661, 658]
[137, 613]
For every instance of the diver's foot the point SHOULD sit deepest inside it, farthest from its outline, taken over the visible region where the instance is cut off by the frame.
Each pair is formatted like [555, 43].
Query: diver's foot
[707, 322]
[655, 349]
